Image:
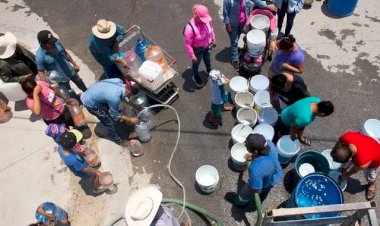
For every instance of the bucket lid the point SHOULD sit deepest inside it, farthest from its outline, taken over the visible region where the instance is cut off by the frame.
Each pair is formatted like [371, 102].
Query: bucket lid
[256, 37]
[259, 82]
[239, 84]
[260, 21]
[372, 128]
[264, 129]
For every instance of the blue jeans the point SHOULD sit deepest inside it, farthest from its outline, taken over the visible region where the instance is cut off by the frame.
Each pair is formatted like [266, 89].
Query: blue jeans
[112, 71]
[106, 119]
[201, 53]
[234, 37]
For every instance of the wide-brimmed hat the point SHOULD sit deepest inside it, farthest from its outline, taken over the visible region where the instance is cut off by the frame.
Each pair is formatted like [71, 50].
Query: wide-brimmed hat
[142, 206]
[257, 142]
[104, 29]
[201, 12]
[8, 44]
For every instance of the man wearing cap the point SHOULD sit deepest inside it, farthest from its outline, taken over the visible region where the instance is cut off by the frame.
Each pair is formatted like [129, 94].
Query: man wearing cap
[144, 208]
[103, 43]
[199, 38]
[16, 62]
[53, 64]
[102, 99]
[264, 172]
[75, 162]
[48, 212]
[235, 14]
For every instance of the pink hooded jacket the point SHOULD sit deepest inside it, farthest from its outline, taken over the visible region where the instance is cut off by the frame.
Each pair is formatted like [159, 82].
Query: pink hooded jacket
[202, 36]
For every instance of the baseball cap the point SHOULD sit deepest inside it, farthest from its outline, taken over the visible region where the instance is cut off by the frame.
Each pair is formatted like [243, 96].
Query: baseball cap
[201, 11]
[46, 37]
[70, 138]
[257, 142]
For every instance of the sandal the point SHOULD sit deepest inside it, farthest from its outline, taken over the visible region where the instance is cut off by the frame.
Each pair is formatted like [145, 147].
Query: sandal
[370, 194]
[305, 141]
[228, 107]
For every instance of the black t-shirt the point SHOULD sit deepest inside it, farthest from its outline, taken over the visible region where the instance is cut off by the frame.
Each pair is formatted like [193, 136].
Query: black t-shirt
[296, 92]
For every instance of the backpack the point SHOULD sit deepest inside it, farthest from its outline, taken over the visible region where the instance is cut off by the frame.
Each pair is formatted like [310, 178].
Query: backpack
[192, 28]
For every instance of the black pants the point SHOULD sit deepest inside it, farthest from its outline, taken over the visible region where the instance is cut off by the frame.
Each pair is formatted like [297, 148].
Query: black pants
[289, 20]
[64, 118]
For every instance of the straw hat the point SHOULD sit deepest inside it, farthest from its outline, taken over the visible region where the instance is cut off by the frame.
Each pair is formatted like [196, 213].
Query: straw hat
[7, 45]
[104, 29]
[142, 206]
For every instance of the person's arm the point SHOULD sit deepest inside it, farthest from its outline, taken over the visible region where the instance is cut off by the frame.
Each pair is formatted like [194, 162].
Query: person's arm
[58, 93]
[70, 59]
[42, 75]
[121, 61]
[346, 173]
[213, 39]
[132, 120]
[226, 15]
[90, 170]
[188, 40]
[296, 68]
[36, 107]
[294, 131]
[41, 210]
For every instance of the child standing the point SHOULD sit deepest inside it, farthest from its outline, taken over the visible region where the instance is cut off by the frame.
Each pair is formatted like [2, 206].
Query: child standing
[219, 99]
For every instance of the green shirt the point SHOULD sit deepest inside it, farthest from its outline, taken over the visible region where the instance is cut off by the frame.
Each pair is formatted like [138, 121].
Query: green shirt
[300, 112]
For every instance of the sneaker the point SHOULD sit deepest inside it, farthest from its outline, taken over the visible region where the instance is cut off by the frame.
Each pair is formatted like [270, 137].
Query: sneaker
[236, 65]
[232, 198]
[197, 81]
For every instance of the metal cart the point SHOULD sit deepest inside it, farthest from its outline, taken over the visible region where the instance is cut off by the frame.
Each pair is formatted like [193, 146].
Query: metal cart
[163, 90]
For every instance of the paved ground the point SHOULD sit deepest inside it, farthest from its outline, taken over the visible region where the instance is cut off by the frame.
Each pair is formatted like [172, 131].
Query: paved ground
[342, 64]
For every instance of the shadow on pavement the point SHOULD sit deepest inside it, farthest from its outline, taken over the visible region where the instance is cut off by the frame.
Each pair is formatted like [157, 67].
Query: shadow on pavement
[206, 122]
[188, 84]
[290, 180]
[223, 55]
[34, 118]
[354, 186]
[88, 185]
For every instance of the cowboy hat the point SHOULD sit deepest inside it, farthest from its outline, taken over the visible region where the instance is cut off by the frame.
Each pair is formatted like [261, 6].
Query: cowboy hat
[104, 29]
[7, 45]
[142, 206]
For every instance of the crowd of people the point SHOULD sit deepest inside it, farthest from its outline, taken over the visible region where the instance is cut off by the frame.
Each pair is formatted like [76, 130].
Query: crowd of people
[45, 79]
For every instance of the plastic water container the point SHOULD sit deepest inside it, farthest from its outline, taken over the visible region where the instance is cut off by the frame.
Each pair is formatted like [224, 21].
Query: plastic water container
[77, 113]
[316, 159]
[207, 178]
[287, 149]
[150, 71]
[240, 132]
[333, 165]
[140, 48]
[142, 130]
[155, 54]
[371, 128]
[135, 148]
[266, 130]
[258, 83]
[244, 100]
[342, 8]
[134, 63]
[238, 84]
[91, 157]
[316, 190]
[12, 91]
[247, 116]
[238, 156]
[260, 22]
[106, 180]
[262, 100]
[256, 41]
[268, 115]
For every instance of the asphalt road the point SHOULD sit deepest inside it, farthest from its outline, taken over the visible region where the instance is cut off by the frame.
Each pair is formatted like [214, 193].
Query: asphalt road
[200, 143]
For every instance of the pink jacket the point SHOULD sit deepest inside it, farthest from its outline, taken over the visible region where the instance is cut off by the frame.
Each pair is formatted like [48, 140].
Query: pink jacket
[202, 36]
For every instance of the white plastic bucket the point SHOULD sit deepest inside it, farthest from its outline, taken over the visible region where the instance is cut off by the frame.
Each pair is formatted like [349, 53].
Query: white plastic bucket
[240, 132]
[244, 100]
[256, 41]
[268, 115]
[258, 83]
[247, 116]
[333, 165]
[207, 178]
[287, 149]
[260, 22]
[371, 128]
[12, 91]
[266, 130]
[238, 155]
[238, 84]
[262, 100]
[150, 70]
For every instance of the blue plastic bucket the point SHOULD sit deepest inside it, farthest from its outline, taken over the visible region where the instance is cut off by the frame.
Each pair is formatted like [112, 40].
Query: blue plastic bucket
[342, 8]
[287, 149]
[316, 190]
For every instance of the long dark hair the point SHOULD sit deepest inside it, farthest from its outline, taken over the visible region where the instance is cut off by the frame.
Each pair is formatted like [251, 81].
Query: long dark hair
[287, 43]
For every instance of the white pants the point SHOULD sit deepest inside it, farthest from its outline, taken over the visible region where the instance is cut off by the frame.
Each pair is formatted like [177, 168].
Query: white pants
[370, 174]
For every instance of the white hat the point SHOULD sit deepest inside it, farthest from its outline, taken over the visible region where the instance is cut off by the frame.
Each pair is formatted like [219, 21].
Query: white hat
[104, 29]
[142, 206]
[7, 45]
[216, 76]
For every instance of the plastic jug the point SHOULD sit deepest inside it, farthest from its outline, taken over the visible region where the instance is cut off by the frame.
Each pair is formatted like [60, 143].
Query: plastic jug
[150, 71]
[155, 54]
[135, 148]
[134, 63]
[77, 113]
[92, 158]
[142, 130]
[141, 47]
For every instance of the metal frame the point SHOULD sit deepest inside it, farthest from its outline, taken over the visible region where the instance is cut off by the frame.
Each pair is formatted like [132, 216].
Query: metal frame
[361, 209]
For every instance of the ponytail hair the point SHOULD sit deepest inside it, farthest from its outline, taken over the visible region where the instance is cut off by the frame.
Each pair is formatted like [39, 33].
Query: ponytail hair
[287, 43]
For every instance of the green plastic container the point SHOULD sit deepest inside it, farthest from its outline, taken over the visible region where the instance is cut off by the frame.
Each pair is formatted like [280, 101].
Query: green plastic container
[316, 159]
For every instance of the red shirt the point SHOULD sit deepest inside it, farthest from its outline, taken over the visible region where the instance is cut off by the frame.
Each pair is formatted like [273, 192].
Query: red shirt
[368, 149]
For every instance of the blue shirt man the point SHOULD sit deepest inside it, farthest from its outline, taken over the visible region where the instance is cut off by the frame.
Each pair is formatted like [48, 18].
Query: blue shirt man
[264, 172]
[103, 43]
[102, 99]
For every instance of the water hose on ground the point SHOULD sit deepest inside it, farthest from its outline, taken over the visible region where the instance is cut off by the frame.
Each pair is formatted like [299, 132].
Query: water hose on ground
[215, 220]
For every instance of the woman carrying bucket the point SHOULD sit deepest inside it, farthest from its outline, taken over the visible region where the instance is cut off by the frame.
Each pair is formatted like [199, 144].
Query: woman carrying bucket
[219, 99]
